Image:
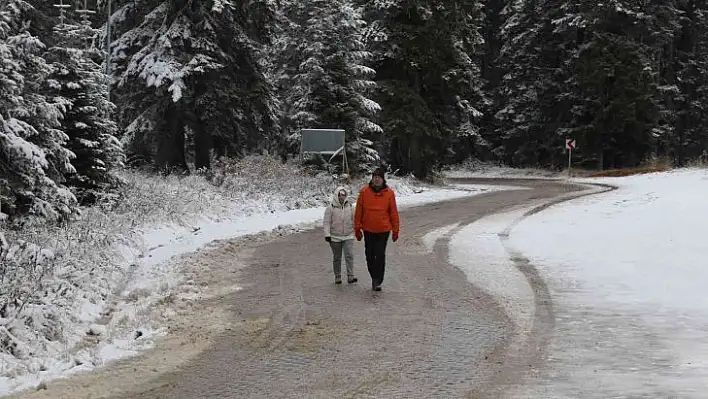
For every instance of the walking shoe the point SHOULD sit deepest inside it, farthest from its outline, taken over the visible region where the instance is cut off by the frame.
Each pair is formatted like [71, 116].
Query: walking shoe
[338, 280]
[351, 280]
[375, 285]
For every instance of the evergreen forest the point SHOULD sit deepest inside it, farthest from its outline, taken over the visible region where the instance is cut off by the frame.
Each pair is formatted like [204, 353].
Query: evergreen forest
[173, 85]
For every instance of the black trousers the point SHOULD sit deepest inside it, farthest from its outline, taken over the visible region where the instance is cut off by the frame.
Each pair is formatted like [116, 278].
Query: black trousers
[375, 249]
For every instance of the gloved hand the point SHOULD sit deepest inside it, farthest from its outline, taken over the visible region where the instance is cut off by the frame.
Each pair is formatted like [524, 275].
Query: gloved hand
[328, 239]
[394, 237]
[359, 235]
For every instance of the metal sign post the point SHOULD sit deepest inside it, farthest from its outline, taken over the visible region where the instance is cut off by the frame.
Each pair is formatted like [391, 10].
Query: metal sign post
[569, 145]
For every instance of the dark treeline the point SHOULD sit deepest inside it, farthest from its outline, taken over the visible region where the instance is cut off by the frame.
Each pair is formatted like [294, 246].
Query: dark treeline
[415, 84]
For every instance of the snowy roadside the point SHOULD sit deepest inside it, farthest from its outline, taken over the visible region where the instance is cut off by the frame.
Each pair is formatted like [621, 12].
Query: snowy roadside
[626, 277]
[106, 317]
[480, 250]
[627, 274]
[477, 169]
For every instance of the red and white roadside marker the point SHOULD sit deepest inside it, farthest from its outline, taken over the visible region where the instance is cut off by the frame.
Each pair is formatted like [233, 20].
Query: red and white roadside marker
[570, 146]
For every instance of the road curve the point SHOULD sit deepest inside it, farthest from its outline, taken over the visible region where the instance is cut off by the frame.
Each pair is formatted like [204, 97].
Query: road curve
[293, 333]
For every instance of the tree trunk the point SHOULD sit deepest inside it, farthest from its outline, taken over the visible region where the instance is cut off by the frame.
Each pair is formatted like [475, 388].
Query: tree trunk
[202, 147]
[680, 155]
[170, 144]
[416, 163]
[218, 147]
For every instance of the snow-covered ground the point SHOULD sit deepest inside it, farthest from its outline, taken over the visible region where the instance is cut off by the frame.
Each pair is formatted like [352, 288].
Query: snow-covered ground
[479, 252]
[476, 169]
[623, 268]
[627, 276]
[109, 269]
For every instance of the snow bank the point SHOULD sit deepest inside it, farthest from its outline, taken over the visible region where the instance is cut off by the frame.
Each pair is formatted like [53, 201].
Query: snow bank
[85, 299]
[476, 169]
[627, 274]
[479, 252]
[486, 188]
[432, 237]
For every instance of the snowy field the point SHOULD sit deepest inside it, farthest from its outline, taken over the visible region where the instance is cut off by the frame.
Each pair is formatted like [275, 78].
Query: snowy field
[626, 271]
[84, 299]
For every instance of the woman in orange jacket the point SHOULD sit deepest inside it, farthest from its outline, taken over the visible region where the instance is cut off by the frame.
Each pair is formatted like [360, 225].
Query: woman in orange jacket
[377, 215]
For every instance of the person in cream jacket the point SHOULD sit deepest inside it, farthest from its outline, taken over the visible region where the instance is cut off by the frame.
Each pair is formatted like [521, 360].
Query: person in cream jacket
[338, 224]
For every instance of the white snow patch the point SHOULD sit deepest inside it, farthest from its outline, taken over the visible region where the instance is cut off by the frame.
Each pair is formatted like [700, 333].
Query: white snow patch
[124, 347]
[487, 188]
[432, 237]
[476, 169]
[478, 251]
[627, 274]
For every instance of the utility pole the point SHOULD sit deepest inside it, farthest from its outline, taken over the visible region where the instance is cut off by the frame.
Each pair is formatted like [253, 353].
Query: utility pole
[85, 18]
[108, 50]
[62, 10]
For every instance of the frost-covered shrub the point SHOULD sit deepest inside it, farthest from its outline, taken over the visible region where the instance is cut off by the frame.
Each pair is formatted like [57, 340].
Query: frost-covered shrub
[54, 278]
[24, 268]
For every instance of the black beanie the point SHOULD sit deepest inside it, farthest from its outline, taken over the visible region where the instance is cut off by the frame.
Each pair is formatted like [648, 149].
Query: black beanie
[378, 172]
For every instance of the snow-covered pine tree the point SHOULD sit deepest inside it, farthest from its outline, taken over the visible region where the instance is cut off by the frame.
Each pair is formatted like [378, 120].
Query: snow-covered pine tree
[657, 22]
[193, 64]
[619, 109]
[689, 140]
[236, 110]
[491, 74]
[430, 88]
[33, 156]
[584, 70]
[325, 78]
[78, 82]
[518, 116]
[133, 24]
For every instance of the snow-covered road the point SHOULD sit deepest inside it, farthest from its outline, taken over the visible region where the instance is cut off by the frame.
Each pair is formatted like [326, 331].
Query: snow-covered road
[626, 274]
[157, 276]
[605, 291]
[435, 333]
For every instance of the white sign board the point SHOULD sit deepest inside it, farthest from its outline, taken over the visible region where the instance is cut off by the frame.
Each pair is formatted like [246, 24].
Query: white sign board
[321, 141]
[569, 144]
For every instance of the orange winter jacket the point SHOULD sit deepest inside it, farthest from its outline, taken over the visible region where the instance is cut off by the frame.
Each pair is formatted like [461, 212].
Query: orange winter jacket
[376, 212]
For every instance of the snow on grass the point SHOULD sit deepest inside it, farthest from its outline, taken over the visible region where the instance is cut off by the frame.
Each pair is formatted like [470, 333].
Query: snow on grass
[76, 296]
[477, 169]
[487, 188]
[626, 270]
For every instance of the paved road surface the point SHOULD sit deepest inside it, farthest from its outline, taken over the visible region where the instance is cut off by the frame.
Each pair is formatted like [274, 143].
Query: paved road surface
[429, 333]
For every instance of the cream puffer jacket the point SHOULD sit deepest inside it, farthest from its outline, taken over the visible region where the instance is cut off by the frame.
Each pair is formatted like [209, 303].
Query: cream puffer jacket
[338, 221]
